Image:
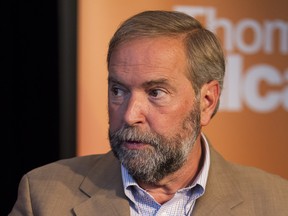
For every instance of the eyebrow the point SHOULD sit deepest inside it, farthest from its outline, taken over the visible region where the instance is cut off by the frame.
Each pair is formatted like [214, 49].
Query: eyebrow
[155, 82]
[147, 84]
[111, 79]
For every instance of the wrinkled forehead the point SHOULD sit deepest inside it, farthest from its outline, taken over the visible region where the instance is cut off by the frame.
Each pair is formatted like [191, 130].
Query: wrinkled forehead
[119, 43]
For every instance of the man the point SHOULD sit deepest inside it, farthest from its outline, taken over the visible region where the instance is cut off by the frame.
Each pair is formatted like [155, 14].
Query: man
[165, 79]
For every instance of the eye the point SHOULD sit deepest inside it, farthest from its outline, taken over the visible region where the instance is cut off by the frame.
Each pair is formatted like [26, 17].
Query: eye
[117, 94]
[116, 91]
[157, 93]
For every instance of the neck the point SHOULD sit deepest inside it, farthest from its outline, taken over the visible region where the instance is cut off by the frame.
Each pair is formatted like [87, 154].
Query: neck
[165, 189]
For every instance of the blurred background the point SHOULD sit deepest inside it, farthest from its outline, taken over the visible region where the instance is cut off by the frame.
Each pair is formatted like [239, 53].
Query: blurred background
[38, 68]
[53, 71]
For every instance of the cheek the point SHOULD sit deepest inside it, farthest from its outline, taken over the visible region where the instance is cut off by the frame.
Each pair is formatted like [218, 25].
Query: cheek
[115, 116]
[168, 121]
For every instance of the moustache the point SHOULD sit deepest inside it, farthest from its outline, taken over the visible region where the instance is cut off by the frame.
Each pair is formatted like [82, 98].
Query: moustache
[133, 134]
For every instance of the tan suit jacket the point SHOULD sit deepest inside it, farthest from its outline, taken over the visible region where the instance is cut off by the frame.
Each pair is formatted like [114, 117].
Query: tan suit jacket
[92, 186]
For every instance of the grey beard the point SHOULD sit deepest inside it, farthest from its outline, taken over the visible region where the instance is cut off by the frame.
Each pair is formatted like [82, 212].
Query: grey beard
[163, 156]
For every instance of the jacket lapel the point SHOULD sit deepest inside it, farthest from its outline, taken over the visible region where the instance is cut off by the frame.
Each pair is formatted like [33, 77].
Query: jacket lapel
[222, 192]
[106, 195]
[104, 187]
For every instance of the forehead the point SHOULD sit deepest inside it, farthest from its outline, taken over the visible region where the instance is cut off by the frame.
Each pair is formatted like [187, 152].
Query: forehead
[149, 55]
[163, 43]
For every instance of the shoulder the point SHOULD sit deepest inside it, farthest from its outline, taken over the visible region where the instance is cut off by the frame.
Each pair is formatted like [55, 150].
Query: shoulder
[254, 174]
[247, 176]
[241, 173]
[259, 190]
[80, 165]
[56, 188]
[260, 180]
[267, 192]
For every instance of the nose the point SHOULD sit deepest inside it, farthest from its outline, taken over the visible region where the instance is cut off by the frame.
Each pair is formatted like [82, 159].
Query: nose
[135, 110]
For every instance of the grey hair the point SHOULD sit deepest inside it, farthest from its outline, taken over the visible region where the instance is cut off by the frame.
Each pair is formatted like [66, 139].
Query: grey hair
[205, 58]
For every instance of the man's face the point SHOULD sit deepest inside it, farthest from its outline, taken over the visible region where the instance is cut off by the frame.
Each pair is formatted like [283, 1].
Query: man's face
[154, 117]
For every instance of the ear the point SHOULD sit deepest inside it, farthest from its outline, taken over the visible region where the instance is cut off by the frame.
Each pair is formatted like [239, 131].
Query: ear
[210, 93]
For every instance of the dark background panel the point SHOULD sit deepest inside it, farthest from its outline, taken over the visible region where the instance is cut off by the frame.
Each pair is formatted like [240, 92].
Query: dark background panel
[37, 86]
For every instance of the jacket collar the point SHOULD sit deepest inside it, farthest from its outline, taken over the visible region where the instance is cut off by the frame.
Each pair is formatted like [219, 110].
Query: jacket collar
[105, 188]
[222, 192]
